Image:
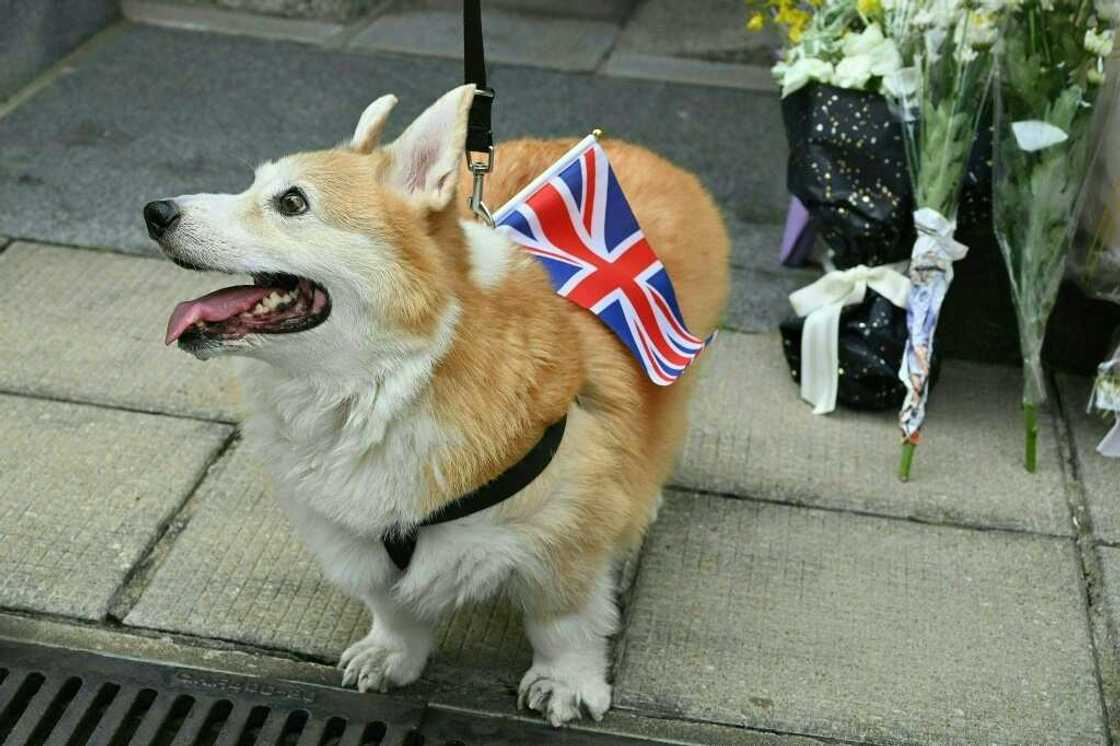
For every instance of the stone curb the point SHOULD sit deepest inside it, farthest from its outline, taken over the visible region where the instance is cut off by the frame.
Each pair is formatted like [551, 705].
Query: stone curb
[218, 20]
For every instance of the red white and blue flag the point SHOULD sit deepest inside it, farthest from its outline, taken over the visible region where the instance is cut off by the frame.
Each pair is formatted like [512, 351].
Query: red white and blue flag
[576, 221]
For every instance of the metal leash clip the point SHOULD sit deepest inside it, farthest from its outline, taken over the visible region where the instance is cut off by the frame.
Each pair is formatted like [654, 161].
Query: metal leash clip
[478, 170]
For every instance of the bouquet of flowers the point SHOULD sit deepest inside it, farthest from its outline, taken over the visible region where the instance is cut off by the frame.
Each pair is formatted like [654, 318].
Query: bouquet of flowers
[1051, 76]
[840, 42]
[940, 97]
[1106, 398]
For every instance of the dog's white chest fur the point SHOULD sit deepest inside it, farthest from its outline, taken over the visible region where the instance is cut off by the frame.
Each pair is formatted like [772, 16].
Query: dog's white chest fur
[345, 471]
[356, 460]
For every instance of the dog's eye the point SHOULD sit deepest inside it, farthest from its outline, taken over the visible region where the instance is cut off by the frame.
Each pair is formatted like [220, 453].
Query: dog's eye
[292, 202]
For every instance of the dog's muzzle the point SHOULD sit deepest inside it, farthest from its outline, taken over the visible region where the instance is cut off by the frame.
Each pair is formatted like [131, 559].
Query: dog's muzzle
[160, 217]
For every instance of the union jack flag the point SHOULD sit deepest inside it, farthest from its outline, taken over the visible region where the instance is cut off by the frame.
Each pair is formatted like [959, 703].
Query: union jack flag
[576, 221]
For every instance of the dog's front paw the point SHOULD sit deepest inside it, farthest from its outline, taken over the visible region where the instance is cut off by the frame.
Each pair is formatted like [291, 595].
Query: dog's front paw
[375, 664]
[561, 694]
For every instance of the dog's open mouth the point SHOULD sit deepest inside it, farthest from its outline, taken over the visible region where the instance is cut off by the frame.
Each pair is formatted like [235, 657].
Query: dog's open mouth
[274, 304]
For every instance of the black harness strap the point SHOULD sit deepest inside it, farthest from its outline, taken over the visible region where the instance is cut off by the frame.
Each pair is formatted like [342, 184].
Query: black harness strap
[401, 545]
[479, 136]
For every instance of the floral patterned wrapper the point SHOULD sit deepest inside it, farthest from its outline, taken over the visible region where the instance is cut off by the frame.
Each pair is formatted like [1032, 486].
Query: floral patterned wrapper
[940, 96]
[1050, 86]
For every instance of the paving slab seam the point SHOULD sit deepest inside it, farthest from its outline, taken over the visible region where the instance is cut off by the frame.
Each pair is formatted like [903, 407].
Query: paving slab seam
[623, 22]
[675, 717]
[96, 249]
[342, 42]
[59, 68]
[140, 574]
[979, 528]
[629, 573]
[115, 407]
[1103, 634]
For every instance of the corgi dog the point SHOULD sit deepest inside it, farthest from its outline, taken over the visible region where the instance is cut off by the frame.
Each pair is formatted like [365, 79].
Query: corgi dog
[394, 354]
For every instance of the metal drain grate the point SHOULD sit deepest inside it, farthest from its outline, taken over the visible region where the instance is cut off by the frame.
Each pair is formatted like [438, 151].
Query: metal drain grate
[50, 697]
[55, 697]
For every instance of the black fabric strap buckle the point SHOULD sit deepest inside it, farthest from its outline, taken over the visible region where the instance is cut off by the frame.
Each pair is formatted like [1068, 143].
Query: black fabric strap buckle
[479, 137]
[401, 544]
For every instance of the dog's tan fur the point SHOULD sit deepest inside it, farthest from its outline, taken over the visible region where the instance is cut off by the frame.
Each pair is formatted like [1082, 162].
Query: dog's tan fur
[566, 352]
[517, 358]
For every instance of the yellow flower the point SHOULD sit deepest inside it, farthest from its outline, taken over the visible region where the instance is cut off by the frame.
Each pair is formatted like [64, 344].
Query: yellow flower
[868, 7]
[795, 34]
[755, 22]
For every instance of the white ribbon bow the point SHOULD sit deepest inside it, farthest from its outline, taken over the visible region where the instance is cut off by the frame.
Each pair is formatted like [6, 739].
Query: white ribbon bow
[821, 303]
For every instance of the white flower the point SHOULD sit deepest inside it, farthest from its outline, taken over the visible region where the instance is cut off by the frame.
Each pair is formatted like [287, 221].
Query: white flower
[864, 41]
[1108, 10]
[1099, 42]
[966, 54]
[852, 72]
[866, 54]
[800, 73]
[934, 40]
[1034, 134]
[902, 84]
[982, 32]
[1095, 76]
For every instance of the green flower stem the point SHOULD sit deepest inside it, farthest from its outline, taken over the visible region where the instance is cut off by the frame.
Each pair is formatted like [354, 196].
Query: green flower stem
[907, 461]
[1030, 415]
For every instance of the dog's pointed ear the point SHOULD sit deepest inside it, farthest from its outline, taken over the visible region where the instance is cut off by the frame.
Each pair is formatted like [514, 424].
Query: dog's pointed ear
[426, 157]
[368, 132]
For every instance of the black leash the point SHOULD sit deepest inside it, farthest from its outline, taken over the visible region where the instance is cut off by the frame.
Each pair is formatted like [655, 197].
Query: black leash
[401, 545]
[480, 138]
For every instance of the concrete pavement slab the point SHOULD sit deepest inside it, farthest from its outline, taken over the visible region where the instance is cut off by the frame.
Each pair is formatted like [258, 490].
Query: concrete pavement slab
[1100, 476]
[307, 10]
[238, 573]
[688, 71]
[700, 29]
[701, 43]
[752, 435]
[759, 299]
[859, 628]
[1110, 563]
[435, 27]
[84, 491]
[38, 33]
[89, 326]
[755, 245]
[220, 20]
[164, 112]
[603, 10]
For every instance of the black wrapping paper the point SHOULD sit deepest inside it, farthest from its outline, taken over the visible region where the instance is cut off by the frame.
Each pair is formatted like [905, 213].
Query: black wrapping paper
[847, 165]
[872, 338]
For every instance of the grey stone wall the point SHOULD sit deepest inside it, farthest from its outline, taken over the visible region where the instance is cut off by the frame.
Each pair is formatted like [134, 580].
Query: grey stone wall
[36, 33]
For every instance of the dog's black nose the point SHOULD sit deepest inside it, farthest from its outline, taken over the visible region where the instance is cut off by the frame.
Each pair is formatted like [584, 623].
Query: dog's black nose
[160, 216]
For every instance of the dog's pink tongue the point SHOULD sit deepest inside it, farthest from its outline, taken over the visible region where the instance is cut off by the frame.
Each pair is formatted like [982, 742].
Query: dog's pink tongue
[216, 306]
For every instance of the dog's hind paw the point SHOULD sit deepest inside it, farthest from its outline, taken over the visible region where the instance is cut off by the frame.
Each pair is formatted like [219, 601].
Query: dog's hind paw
[374, 666]
[561, 696]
